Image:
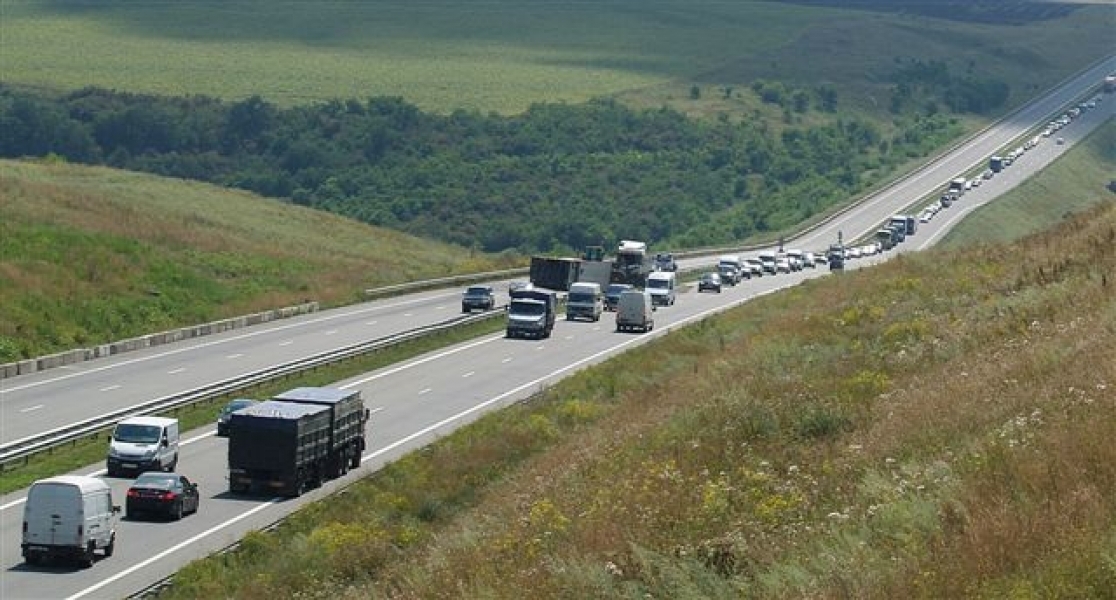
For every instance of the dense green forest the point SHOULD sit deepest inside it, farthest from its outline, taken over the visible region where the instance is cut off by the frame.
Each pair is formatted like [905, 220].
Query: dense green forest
[555, 178]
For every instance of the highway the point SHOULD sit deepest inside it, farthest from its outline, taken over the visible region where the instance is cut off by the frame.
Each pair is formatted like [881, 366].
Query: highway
[416, 402]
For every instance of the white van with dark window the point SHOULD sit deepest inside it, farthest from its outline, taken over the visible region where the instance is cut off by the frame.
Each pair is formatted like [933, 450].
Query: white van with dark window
[70, 517]
[661, 285]
[585, 300]
[141, 444]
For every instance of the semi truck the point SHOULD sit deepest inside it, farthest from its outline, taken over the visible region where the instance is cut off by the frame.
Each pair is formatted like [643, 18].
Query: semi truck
[632, 265]
[957, 186]
[996, 163]
[296, 441]
[531, 313]
[907, 222]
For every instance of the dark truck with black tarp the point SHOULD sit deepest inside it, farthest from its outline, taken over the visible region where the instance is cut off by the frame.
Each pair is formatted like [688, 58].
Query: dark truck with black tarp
[531, 313]
[296, 441]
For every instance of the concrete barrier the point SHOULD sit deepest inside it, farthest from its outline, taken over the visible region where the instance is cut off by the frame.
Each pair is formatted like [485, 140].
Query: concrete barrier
[70, 357]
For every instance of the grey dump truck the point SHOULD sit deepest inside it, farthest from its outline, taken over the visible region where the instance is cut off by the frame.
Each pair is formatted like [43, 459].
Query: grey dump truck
[296, 441]
[531, 313]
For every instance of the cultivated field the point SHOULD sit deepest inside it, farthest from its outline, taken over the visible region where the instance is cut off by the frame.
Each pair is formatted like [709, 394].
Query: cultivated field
[503, 55]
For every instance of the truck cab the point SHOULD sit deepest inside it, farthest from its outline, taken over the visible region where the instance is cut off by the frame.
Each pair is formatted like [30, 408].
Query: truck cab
[661, 286]
[886, 238]
[586, 300]
[531, 313]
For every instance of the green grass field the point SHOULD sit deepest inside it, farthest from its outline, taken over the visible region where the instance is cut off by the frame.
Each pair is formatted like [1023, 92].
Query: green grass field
[503, 55]
[1074, 183]
[90, 255]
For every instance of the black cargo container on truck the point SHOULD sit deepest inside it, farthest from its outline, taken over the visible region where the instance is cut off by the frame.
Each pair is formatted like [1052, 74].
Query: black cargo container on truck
[287, 446]
[554, 273]
[348, 419]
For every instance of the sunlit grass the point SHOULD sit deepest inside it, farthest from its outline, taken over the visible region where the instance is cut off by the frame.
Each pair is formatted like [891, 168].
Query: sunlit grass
[94, 255]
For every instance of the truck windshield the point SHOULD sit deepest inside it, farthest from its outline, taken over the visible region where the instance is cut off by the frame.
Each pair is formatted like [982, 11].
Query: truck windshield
[581, 298]
[657, 283]
[532, 309]
[137, 434]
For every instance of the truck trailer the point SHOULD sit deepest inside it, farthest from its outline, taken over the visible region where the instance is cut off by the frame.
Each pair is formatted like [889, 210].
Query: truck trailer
[559, 273]
[297, 441]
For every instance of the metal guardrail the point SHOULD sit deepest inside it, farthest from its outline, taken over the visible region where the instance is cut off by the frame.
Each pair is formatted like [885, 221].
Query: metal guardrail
[429, 284]
[27, 446]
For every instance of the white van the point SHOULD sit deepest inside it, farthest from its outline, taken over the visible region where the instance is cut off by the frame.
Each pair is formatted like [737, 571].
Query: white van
[586, 300]
[661, 286]
[70, 517]
[141, 444]
[635, 311]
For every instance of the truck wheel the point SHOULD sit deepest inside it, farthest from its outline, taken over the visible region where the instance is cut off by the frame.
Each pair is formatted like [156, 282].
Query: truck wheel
[111, 547]
[87, 557]
[33, 558]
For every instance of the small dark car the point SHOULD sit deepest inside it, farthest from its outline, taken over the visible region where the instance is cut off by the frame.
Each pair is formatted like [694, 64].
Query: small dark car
[710, 281]
[155, 492]
[612, 295]
[230, 408]
[480, 297]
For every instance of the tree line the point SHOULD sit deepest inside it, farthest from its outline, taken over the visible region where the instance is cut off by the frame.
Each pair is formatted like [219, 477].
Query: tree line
[553, 179]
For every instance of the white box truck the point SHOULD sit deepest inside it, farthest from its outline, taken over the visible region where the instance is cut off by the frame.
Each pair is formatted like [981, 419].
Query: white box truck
[70, 517]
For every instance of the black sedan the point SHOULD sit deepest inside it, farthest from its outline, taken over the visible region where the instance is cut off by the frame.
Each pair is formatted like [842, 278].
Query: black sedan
[169, 494]
[710, 281]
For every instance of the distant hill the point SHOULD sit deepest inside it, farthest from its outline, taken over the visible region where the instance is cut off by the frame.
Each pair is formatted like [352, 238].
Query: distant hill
[89, 255]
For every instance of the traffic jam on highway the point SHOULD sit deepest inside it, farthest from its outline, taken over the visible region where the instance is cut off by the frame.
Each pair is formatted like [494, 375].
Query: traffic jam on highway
[300, 439]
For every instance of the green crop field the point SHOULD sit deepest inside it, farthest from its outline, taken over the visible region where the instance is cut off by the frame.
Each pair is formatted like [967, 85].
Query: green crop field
[503, 55]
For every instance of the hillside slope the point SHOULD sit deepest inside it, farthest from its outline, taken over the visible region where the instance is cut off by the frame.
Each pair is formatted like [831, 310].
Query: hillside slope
[936, 427]
[89, 255]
